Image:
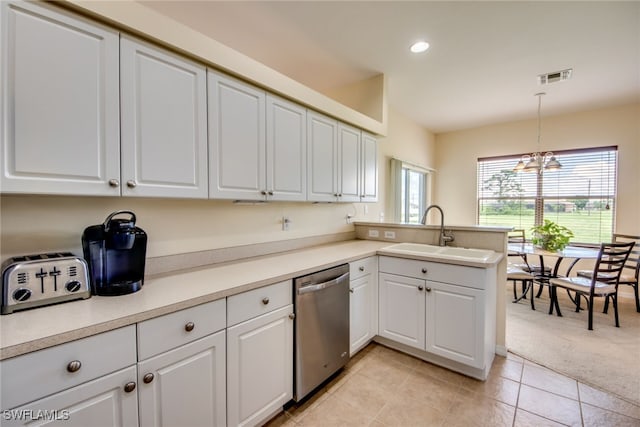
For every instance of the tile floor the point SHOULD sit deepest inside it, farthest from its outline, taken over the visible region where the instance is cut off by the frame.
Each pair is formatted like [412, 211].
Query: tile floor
[383, 387]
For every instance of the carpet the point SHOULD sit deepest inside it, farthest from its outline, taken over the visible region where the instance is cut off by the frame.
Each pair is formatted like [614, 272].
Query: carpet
[607, 358]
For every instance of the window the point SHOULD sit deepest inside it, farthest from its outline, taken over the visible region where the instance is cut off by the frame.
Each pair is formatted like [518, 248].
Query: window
[581, 196]
[411, 184]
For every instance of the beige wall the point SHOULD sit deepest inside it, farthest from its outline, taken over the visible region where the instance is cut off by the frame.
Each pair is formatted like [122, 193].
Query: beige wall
[457, 154]
[35, 224]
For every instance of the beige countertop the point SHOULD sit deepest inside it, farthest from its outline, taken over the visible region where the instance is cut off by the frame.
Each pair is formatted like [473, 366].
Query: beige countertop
[32, 330]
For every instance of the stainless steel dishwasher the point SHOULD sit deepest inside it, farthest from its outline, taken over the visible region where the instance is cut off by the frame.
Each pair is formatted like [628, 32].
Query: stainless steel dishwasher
[321, 327]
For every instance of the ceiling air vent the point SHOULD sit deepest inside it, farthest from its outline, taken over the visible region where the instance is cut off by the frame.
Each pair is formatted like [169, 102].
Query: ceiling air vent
[557, 76]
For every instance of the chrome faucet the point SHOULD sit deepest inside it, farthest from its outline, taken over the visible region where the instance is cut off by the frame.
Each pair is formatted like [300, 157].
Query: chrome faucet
[444, 238]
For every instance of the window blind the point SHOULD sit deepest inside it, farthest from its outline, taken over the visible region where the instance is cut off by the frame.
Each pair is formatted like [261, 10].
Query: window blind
[581, 195]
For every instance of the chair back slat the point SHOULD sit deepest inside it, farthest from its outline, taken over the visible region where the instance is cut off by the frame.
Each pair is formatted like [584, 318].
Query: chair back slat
[516, 236]
[611, 260]
[633, 261]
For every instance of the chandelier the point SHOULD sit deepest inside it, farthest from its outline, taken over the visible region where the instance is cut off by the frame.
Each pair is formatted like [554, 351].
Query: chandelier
[536, 162]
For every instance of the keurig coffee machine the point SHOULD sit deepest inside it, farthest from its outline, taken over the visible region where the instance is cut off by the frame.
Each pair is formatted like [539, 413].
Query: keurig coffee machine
[115, 254]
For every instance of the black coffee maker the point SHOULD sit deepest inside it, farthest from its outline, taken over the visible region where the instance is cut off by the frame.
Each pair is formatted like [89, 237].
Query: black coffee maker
[115, 254]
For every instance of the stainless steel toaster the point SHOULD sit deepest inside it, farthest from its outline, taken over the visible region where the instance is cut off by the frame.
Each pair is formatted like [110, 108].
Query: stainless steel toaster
[35, 280]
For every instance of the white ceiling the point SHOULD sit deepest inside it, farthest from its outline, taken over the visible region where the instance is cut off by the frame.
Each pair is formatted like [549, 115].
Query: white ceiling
[482, 64]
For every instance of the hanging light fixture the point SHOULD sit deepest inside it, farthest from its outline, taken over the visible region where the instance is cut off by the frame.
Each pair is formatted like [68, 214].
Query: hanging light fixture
[536, 162]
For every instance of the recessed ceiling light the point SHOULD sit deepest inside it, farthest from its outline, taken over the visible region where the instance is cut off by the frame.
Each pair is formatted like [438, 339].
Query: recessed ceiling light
[419, 47]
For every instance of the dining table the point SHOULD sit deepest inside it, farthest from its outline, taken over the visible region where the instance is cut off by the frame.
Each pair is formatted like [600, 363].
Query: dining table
[542, 276]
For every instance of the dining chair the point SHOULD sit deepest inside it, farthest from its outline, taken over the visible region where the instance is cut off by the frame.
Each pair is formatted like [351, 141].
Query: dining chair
[629, 275]
[602, 283]
[517, 235]
[519, 271]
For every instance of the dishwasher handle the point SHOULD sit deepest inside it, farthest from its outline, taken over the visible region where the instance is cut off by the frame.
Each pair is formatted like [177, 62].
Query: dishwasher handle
[314, 287]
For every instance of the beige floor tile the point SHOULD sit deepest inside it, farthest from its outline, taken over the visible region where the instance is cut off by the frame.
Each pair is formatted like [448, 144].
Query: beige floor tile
[430, 391]
[548, 380]
[396, 356]
[507, 368]
[298, 410]
[514, 357]
[605, 400]
[552, 406]
[364, 393]
[597, 417]
[498, 388]
[334, 411]
[386, 369]
[440, 373]
[281, 420]
[480, 412]
[407, 411]
[527, 419]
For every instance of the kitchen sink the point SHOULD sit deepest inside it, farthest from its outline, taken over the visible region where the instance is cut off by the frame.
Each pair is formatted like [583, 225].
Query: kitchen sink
[445, 252]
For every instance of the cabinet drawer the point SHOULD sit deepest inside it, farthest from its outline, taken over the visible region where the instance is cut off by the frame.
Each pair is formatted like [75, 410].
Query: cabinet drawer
[250, 304]
[446, 273]
[362, 267]
[32, 376]
[172, 330]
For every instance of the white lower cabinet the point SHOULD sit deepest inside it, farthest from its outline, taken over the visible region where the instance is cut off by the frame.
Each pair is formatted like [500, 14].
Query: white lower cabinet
[185, 386]
[107, 401]
[363, 303]
[259, 353]
[87, 382]
[455, 320]
[259, 367]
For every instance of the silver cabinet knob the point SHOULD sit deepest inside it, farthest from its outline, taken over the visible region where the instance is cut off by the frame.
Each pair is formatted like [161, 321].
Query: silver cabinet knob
[131, 184]
[351, 290]
[361, 268]
[270, 193]
[189, 326]
[424, 271]
[129, 387]
[263, 192]
[428, 289]
[420, 288]
[265, 300]
[292, 316]
[74, 366]
[148, 378]
[114, 183]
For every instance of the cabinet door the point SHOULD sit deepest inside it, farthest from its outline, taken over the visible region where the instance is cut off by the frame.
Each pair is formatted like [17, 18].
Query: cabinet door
[237, 154]
[369, 169]
[286, 150]
[455, 323]
[363, 311]
[101, 402]
[259, 367]
[164, 123]
[185, 386]
[60, 104]
[402, 309]
[322, 143]
[348, 163]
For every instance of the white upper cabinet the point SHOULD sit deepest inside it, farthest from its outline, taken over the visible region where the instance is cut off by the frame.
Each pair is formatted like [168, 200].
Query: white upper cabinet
[237, 155]
[322, 172]
[349, 163]
[60, 104]
[369, 168]
[286, 150]
[164, 123]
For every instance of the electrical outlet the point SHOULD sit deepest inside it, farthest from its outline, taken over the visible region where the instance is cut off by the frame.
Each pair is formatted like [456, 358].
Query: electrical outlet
[374, 233]
[286, 223]
[349, 218]
[389, 234]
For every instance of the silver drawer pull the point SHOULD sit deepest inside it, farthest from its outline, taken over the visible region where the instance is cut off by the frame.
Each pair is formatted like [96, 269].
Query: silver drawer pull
[114, 183]
[420, 288]
[131, 184]
[428, 289]
[351, 290]
[189, 326]
[265, 300]
[129, 387]
[292, 316]
[74, 366]
[424, 271]
[361, 268]
[147, 378]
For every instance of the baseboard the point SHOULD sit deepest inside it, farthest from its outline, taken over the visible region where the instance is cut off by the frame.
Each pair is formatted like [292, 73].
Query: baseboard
[501, 350]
